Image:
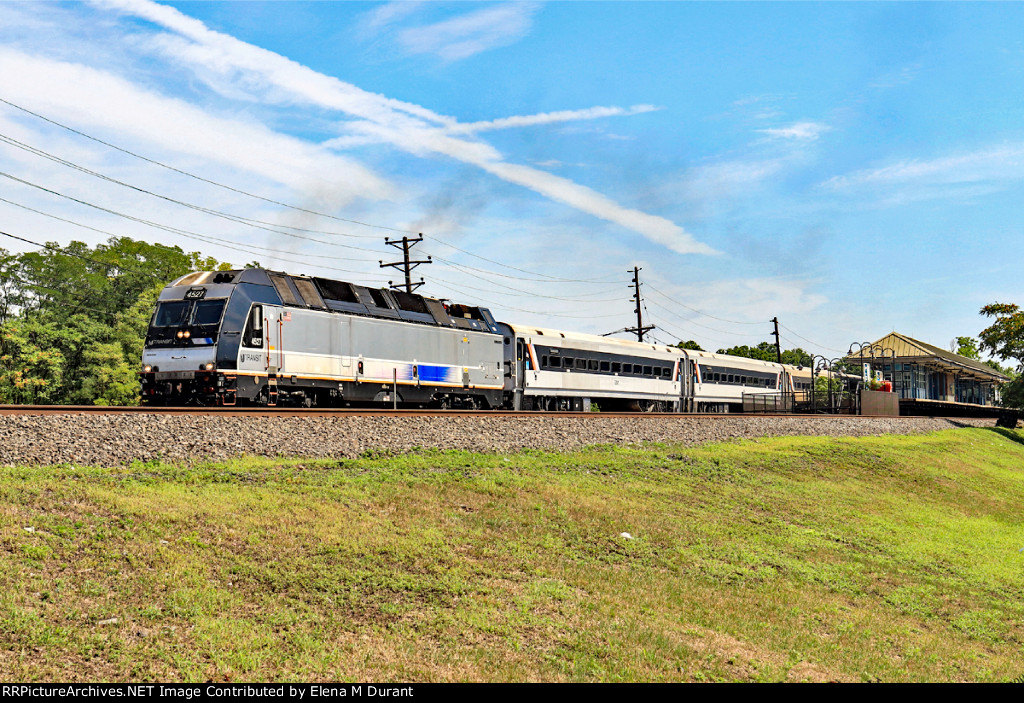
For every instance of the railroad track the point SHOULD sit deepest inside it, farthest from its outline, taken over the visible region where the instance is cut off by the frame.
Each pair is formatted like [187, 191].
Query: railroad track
[367, 412]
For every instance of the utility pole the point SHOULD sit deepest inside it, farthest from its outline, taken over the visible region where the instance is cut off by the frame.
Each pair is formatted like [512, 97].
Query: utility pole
[778, 347]
[406, 264]
[639, 329]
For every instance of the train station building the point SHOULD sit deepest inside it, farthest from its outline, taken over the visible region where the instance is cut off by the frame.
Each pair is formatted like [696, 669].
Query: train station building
[921, 371]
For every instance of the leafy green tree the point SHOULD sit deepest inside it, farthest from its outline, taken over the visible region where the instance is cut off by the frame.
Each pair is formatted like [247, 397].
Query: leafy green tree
[73, 318]
[1007, 371]
[131, 325]
[1005, 338]
[966, 347]
[31, 366]
[107, 377]
[765, 351]
[970, 347]
[9, 289]
[690, 344]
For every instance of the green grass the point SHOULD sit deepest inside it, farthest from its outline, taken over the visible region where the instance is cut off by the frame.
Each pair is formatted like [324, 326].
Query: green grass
[881, 558]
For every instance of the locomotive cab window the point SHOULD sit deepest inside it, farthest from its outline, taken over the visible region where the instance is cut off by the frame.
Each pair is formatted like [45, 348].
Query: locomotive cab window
[171, 313]
[207, 312]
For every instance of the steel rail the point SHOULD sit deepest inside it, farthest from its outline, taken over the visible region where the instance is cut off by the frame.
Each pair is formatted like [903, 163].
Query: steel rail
[388, 412]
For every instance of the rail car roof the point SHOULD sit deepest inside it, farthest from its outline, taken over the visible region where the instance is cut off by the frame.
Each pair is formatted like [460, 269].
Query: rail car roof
[534, 331]
[805, 371]
[327, 294]
[711, 358]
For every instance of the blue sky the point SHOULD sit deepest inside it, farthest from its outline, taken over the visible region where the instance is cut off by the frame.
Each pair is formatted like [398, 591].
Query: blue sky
[851, 168]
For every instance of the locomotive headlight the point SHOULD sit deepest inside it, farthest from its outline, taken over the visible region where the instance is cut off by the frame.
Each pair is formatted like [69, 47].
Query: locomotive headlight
[187, 334]
[147, 368]
[208, 367]
[180, 334]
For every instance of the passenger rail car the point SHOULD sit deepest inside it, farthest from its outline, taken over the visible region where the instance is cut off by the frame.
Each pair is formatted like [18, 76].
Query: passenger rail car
[259, 337]
[557, 370]
[720, 382]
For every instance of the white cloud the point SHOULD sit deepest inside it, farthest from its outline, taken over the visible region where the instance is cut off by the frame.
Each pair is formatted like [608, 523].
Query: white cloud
[409, 127]
[801, 131]
[384, 15]
[91, 97]
[1005, 162]
[592, 113]
[655, 228]
[709, 188]
[897, 77]
[461, 37]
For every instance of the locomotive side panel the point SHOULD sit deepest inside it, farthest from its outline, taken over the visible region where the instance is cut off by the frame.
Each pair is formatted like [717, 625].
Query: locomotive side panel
[358, 359]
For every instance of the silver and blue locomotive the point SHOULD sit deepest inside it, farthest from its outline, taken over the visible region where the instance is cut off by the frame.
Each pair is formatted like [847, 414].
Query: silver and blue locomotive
[260, 337]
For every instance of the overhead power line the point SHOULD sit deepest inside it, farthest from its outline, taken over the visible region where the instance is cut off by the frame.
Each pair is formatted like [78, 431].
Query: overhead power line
[688, 321]
[199, 178]
[68, 252]
[155, 162]
[250, 249]
[198, 208]
[257, 224]
[822, 346]
[247, 248]
[700, 312]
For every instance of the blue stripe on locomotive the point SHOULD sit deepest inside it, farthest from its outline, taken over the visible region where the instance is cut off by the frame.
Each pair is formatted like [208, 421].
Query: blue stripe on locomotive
[437, 374]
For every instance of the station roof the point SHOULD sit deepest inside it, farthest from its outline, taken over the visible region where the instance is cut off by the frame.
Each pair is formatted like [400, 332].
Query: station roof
[908, 349]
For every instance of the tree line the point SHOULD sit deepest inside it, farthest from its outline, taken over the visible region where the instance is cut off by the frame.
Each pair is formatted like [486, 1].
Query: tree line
[73, 318]
[765, 351]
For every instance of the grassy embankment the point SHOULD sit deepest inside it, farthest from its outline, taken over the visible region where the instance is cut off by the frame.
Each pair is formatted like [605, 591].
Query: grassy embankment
[890, 558]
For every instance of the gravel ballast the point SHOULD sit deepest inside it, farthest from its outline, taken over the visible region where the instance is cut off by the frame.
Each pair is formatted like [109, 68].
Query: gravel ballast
[110, 440]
